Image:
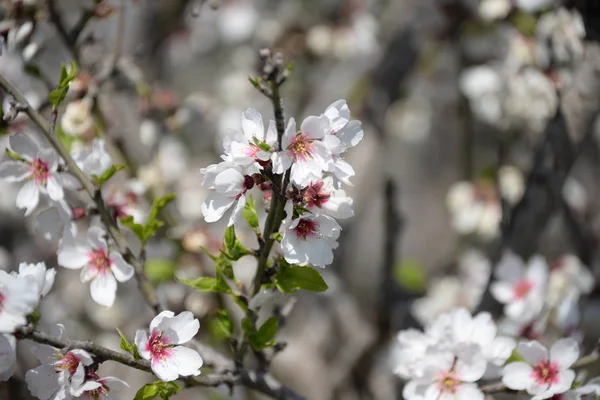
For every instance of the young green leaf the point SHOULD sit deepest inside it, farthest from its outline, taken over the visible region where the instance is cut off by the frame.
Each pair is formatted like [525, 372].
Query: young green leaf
[152, 222]
[135, 228]
[235, 249]
[265, 334]
[224, 322]
[292, 277]
[106, 175]
[249, 212]
[208, 284]
[158, 389]
[129, 347]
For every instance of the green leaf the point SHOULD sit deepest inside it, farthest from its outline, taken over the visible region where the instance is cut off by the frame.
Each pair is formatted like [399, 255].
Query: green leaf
[158, 389]
[34, 317]
[277, 236]
[224, 322]
[129, 347]
[208, 284]
[249, 212]
[106, 175]
[514, 357]
[159, 270]
[265, 334]
[57, 96]
[235, 249]
[410, 275]
[152, 223]
[292, 277]
[136, 228]
[224, 266]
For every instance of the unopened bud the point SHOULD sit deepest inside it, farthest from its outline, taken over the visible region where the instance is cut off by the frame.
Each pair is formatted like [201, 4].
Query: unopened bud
[78, 213]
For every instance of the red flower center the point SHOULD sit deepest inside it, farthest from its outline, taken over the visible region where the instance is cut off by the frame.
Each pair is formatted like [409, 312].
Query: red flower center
[522, 288]
[158, 345]
[315, 196]
[545, 372]
[39, 171]
[69, 362]
[99, 260]
[301, 147]
[306, 228]
[2, 298]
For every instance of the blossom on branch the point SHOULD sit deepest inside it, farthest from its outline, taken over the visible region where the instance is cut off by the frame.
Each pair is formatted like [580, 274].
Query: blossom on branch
[101, 266]
[18, 298]
[162, 347]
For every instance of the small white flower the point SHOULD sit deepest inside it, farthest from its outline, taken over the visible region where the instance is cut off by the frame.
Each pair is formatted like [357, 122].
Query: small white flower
[93, 161]
[77, 119]
[482, 85]
[18, 298]
[124, 200]
[490, 10]
[474, 208]
[521, 289]
[564, 31]
[39, 276]
[96, 388]
[58, 373]
[511, 183]
[100, 266]
[8, 357]
[167, 359]
[448, 378]
[40, 170]
[303, 151]
[310, 238]
[321, 197]
[543, 374]
[244, 148]
[229, 184]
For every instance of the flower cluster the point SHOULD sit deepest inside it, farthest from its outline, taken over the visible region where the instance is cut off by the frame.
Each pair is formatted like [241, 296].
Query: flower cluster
[311, 160]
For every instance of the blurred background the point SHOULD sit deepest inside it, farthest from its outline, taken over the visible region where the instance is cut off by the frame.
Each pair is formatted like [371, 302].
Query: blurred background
[478, 135]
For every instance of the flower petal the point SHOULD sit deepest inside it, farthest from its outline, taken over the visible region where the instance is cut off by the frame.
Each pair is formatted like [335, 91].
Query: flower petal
[237, 210]
[42, 382]
[104, 289]
[120, 268]
[502, 291]
[215, 206]
[156, 321]
[252, 125]
[532, 351]
[28, 197]
[564, 352]
[14, 171]
[469, 391]
[22, 144]
[72, 255]
[315, 127]
[141, 342]
[564, 383]
[183, 327]
[54, 188]
[186, 361]
[229, 182]
[517, 375]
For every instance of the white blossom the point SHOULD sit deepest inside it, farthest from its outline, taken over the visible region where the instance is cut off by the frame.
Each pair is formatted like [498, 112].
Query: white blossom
[59, 373]
[563, 32]
[96, 388]
[18, 298]
[544, 373]
[162, 347]
[474, 209]
[520, 288]
[310, 238]
[321, 197]
[228, 184]
[93, 161]
[252, 144]
[39, 168]
[101, 266]
[39, 276]
[8, 357]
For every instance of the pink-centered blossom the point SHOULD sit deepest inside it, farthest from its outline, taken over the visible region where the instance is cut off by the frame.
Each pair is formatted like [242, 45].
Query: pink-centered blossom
[252, 144]
[310, 238]
[60, 372]
[303, 151]
[543, 373]
[39, 168]
[96, 388]
[520, 288]
[321, 197]
[101, 266]
[161, 346]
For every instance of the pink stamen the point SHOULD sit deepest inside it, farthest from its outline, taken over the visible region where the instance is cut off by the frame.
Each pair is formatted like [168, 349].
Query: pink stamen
[522, 288]
[301, 147]
[99, 261]
[39, 171]
[315, 195]
[306, 228]
[545, 372]
[158, 346]
[69, 362]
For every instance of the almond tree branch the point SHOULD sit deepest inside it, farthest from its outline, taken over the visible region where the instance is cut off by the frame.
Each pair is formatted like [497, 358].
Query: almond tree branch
[261, 382]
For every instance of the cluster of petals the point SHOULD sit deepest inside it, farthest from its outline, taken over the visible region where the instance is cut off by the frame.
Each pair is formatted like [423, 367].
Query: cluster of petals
[162, 345]
[453, 353]
[312, 157]
[98, 264]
